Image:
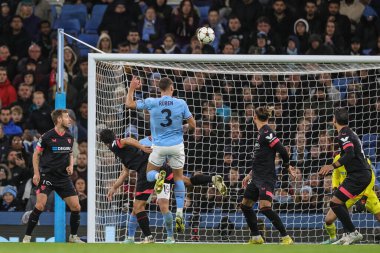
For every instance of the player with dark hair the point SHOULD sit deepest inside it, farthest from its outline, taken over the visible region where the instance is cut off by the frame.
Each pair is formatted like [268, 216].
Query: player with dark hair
[167, 114]
[134, 155]
[358, 175]
[53, 163]
[260, 182]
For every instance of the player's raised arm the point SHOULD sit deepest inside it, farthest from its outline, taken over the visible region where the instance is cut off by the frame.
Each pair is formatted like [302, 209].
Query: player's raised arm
[135, 84]
[135, 143]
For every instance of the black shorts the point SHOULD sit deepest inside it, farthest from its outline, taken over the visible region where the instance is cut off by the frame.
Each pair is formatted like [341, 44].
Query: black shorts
[353, 185]
[64, 187]
[257, 189]
[143, 188]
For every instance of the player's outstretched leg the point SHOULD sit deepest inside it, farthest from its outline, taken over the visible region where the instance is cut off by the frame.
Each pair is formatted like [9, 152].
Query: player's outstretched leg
[330, 227]
[132, 226]
[168, 220]
[159, 177]
[219, 184]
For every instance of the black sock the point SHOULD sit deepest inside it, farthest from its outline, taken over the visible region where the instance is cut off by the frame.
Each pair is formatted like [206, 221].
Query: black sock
[143, 220]
[200, 179]
[343, 215]
[74, 222]
[251, 219]
[275, 219]
[33, 220]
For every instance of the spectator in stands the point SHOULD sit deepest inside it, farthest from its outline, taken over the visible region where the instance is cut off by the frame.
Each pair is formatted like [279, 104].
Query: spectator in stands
[301, 31]
[306, 200]
[312, 17]
[185, 21]
[326, 147]
[234, 31]
[82, 114]
[213, 21]
[333, 38]
[7, 91]
[80, 187]
[9, 201]
[228, 48]
[44, 38]
[80, 80]
[353, 10]
[77, 131]
[16, 38]
[317, 47]
[235, 190]
[151, 28]
[261, 46]
[82, 146]
[104, 43]
[19, 172]
[7, 62]
[314, 162]
[10, 128]
[247, 11]
[281, 20]
[263, 25]
[30, 21]
[355, 47]
[235, 42]
[80, 169]
[40, 118]
[283, 201]
[325, 80]
[169, 44]
[341, 21]
[135, 46]
[4, 144]
[293, 46]
[376, 49]
[70, 60]
[4, 175]
[5, 17]
[34, 54]
[24, 99]
[116, 15]
[296, 183]
[164, 11]
[222, 110]
[368, 29]
[17, 115]
[300, 152]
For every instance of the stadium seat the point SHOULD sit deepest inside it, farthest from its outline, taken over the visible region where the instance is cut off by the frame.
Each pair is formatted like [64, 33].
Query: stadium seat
[369, 146]
[98, 11]
[91, 39]
[71, 26]
[203, 13]
[96, 18]
[74, 11]
[92, 25]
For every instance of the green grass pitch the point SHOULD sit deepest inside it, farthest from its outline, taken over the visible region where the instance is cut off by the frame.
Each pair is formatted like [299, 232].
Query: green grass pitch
[182, 248]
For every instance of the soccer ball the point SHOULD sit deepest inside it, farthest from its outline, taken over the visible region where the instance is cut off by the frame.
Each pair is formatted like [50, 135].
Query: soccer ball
[206, 35]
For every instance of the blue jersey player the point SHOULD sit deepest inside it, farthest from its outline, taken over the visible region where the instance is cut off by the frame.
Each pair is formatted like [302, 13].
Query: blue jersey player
[166, 124]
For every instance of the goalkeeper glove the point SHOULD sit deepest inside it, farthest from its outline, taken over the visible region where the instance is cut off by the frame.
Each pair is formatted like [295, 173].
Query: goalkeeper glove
[360, 205]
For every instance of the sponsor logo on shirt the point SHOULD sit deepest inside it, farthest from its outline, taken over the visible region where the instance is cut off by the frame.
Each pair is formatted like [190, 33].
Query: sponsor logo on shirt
[60, 148]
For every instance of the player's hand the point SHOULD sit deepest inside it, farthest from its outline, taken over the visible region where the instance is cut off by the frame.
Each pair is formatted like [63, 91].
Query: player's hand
[325, 170]
[245, 181]
[36, 179]
[292, 171]
[111, 192]
[135, 83]
[147, 149]
[360, 205]
[70, 170]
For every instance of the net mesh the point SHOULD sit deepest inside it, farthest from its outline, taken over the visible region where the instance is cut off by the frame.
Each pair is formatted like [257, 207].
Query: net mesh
[222, 97]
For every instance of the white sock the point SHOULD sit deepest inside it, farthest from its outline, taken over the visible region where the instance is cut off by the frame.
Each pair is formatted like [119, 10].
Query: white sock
[156, 176]
[179, 212]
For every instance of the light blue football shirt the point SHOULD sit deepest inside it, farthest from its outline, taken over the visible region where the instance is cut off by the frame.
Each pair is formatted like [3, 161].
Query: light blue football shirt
[166, 119]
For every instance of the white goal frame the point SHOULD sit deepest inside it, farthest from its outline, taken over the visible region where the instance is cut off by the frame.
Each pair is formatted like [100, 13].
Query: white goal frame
[93, 57]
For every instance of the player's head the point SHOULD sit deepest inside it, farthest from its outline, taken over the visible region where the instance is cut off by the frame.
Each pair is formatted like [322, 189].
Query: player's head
[61, 118]
[262, 114]
[340, 116]
[166, 85]
[107, 136]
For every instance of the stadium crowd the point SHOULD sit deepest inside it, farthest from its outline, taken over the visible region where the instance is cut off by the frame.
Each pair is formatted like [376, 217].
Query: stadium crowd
[223, 105]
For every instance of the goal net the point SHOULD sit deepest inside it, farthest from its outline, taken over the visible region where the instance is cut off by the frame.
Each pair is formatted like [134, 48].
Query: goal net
[222, 93]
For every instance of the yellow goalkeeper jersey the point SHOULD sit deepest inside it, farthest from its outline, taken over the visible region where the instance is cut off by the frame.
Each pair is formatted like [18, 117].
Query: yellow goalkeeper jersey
[372, 205]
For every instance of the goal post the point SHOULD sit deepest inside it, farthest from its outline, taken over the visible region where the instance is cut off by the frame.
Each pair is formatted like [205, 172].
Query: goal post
[222, 91]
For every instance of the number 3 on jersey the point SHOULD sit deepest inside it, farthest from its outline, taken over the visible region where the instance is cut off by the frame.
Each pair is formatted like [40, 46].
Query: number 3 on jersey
[169, 120]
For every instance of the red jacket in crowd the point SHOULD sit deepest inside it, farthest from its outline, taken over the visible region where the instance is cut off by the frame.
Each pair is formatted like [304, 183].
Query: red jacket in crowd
[8, 93]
